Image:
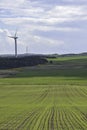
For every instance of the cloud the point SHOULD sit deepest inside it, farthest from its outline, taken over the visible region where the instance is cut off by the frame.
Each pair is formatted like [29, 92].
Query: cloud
[55, 15]
[74, 1]
[44, 40]
[11, 3]
[44, 45]
[1, 31]
[45, 23]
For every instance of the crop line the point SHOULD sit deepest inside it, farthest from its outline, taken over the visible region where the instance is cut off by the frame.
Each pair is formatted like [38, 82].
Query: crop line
[60, 125]
[84, 92]
[12, 122]
[56, 122]
[82, 116]
[41, 97]
[80, 93]
[42, 121]
[68, 119]
[63, 120]
[72, 121]
[25, 121]
[33, 121]
[38, 98]
[49, 119]
[77, 120]
[66, 124]
[69, 99]
[45, 127]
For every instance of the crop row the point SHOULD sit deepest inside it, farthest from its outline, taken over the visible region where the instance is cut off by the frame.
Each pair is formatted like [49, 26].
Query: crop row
[51, 107]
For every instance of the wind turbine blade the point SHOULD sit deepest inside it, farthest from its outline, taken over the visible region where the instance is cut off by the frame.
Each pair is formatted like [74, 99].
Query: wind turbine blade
[10, 36]
[16, 32]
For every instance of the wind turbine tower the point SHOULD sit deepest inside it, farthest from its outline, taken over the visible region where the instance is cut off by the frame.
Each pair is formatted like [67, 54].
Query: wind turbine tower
[26, 49]
[15, 40]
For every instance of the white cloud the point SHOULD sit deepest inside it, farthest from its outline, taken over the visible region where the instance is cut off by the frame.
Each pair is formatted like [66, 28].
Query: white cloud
[75, 0]
[55, 15]
[32, 17]
[1, 30]
[11, 3]
[44, 40]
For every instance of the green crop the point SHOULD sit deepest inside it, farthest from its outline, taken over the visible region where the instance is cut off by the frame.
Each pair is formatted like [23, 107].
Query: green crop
[46, 97]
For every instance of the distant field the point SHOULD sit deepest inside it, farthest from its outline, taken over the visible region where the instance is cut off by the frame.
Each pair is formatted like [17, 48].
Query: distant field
[45, 97]
[66, 58]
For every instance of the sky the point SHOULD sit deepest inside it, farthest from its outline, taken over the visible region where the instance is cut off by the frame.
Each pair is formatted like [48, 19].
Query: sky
[43, 26]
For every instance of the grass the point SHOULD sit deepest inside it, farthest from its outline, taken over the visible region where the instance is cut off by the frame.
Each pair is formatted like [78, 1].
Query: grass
[68, 58]
[49, 97]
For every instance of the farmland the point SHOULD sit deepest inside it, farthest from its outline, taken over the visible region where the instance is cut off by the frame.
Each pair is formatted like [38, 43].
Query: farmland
[45, 97]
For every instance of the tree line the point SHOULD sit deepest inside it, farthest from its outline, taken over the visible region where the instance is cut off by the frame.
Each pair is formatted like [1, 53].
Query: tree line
[15, 62]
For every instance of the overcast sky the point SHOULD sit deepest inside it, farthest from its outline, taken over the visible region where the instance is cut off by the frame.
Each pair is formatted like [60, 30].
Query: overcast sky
[44, 26]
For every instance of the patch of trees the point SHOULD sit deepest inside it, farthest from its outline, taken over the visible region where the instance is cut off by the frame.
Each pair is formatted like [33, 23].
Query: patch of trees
[13, 62]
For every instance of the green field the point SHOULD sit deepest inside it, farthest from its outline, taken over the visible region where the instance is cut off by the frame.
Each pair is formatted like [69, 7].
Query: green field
[45, 97]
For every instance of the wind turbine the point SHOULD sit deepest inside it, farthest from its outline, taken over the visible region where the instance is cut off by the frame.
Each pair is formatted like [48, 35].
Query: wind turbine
[15, 40]
[26, 49]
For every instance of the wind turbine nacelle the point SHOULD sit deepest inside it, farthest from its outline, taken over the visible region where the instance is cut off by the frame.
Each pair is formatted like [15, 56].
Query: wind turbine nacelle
[15, 37]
